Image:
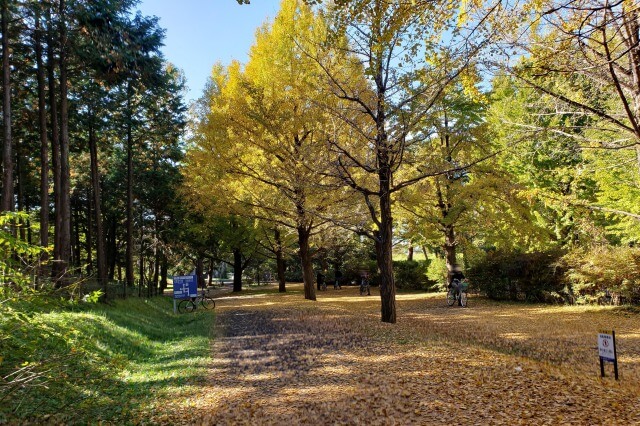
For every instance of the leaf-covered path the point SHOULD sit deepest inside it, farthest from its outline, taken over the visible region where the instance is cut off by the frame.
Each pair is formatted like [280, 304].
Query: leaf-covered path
[281, 360]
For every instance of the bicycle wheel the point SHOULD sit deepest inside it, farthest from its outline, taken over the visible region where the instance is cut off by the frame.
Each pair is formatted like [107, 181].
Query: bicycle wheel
[207, 302]
[186, 306]
[463, 299]
[451, 298]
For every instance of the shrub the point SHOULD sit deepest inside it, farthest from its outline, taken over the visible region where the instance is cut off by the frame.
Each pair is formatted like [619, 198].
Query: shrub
[610, 274]
[412, 275]
[437, 272]
[519, 276]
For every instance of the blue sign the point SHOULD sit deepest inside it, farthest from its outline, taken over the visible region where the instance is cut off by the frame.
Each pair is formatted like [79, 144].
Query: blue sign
[185, 286]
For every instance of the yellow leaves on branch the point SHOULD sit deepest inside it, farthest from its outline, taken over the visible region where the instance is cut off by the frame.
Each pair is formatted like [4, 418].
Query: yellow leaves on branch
[465, 8]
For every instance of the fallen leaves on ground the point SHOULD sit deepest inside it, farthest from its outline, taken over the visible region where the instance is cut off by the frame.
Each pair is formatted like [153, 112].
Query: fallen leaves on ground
[281, 360]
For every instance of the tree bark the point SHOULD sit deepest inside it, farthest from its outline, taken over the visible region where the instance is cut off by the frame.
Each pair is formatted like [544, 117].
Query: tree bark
[164, 269]
[237, 270]
[64, 253]
[141, 278]
[305, 261]
[75, 226]
[89, 234]
[44, 142]
[55, 136]
[450, 249]
[280, 262]
[200, 271]
[7, 149]
[129, 239]
[384, 251]
[19, 188]
[210, 271]
[112, 249]
[156, 258]
[384, 234]
[101, 257]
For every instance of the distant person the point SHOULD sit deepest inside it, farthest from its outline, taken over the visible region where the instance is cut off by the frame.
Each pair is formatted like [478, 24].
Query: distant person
[364, 284]
[336, 284]
[320, 280]
[456, 282]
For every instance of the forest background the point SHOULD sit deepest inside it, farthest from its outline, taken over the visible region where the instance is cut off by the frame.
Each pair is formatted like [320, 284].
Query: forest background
[394, 138]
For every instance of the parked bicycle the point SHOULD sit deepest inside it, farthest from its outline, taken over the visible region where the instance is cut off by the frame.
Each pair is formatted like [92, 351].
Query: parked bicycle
[202, 299]
[458, 293]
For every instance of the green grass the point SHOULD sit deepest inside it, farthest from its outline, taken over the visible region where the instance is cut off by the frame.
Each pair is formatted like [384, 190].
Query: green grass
[99, 363]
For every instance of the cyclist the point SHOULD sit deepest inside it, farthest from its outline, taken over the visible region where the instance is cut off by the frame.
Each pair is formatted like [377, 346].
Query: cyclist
[455, 282]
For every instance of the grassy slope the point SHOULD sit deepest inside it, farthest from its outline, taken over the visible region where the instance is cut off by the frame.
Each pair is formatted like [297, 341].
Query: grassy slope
[111, 363]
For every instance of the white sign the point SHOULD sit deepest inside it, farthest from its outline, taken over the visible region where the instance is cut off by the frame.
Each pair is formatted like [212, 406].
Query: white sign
[606, 348]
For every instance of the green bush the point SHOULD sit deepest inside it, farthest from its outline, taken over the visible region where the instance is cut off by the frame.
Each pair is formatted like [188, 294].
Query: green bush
[437, 272]
[532, 277]
[603, 273]
[412, 275]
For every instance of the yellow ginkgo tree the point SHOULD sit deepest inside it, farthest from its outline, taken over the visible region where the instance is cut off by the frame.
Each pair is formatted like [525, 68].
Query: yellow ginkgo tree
[258, 147]
[410, 52]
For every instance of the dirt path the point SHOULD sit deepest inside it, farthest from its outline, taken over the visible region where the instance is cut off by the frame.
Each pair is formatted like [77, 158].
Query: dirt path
[281, 360]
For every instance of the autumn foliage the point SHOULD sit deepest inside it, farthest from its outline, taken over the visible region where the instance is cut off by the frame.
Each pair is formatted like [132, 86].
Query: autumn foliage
[276, 361]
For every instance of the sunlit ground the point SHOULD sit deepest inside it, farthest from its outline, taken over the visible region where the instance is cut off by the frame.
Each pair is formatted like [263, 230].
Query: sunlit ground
[280, 359]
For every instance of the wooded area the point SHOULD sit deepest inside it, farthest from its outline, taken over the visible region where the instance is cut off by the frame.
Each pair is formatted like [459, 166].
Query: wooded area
[484, 134]
[496, 136]
[92, 121]
[395, 140]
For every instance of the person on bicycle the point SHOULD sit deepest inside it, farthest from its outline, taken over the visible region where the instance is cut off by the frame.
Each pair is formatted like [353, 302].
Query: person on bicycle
[455, 282]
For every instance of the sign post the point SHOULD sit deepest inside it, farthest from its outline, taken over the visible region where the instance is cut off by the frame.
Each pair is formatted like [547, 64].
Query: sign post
[184, 287]
[607, 351]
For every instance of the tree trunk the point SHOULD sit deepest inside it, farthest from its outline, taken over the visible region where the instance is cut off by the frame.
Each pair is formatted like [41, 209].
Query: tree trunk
[450, 249]
[280, 263]
[237, 270]
[19, 188]
[156, 258]
[7, 154]
[129, 252]
[141, 277]
[384, 256]
[65, 185]
[75, 226]
[164, 269]
[384, 234]
[101, 256]
[156, 272]
[112, 250]
[55, 139]
[89, 239]
[44, 148]
[200, 271]
[410, 254]
[210, 271]
[305, 261]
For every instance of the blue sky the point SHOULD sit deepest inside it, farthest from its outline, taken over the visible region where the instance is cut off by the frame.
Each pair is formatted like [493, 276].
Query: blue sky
[200, 33]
